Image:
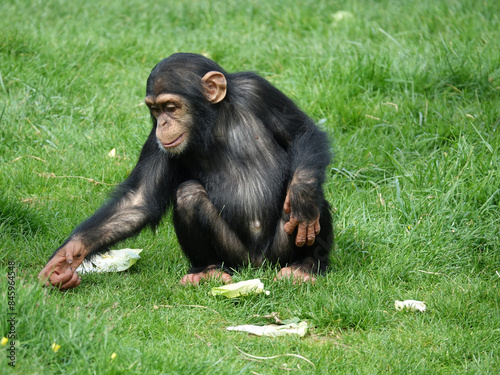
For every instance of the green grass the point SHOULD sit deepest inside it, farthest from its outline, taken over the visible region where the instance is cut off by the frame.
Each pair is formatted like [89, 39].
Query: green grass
[409, 92]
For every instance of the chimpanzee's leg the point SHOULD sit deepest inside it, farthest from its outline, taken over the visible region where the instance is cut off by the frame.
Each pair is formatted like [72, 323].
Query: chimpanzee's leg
[204, 236]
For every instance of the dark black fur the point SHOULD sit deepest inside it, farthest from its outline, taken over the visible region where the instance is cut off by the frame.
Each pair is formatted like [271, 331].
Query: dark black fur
[228, 187]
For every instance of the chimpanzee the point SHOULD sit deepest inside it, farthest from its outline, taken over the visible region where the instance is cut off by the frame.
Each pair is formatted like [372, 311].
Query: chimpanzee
[240, 163]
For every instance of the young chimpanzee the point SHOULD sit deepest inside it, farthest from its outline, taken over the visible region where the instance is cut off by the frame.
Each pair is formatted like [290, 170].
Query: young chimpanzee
[242, 167]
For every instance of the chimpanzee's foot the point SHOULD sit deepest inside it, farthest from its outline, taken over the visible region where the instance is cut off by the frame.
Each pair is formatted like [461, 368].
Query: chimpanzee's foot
[211, 272]
[297, 273]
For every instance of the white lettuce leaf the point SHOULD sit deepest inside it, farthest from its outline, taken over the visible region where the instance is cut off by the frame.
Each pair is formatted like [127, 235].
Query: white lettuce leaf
[410, 305]
[254, 286]
[273, 330]
[111, 261]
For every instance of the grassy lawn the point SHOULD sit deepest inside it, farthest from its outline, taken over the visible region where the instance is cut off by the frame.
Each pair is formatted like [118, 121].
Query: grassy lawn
[409, 93]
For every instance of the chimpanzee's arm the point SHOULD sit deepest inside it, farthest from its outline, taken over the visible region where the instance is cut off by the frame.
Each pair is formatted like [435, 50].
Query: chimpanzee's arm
[309, 153]
[310, 156]
[140, 200]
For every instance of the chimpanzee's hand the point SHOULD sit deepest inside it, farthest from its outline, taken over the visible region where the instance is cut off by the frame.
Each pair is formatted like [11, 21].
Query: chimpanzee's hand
[307, 229]
[60, 271]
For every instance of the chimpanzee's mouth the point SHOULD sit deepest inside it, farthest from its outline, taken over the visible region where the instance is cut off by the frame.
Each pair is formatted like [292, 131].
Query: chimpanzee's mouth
[175, 142]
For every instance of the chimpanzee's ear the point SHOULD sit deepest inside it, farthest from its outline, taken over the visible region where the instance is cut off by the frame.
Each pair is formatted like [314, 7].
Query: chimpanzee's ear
[215, 86]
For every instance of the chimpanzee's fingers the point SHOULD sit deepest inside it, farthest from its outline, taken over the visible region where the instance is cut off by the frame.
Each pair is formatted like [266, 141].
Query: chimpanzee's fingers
[49, 270]
[300, 240]
[286, 206]
[291, 225]
[190, 279]
[226, 278]
[72, 283]
[60, 277]
[69, 255]
[311, 233]
[317, 227]
[218, 274]
[72, 248]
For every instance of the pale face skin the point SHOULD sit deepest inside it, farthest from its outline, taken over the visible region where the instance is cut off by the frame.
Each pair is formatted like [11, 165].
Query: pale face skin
[173, 121]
